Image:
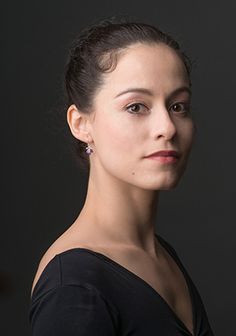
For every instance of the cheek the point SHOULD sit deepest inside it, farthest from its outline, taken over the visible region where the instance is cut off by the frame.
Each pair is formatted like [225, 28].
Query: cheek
[110, 136]
[187, 135]
[115, 139]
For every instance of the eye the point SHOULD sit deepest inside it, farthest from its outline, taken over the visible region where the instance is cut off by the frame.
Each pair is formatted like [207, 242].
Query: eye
[180, 108]
[136, 108]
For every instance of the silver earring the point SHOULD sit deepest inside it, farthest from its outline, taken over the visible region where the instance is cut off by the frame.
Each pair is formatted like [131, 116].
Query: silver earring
[88, 150]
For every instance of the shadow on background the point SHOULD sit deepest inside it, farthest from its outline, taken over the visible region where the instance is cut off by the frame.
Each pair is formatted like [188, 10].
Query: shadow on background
[44, 189]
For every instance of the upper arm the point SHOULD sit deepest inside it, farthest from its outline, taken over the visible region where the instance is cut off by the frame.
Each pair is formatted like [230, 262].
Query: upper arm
[72, 311]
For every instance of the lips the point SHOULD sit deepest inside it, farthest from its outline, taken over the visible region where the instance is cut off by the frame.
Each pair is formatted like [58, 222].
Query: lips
[165, 153]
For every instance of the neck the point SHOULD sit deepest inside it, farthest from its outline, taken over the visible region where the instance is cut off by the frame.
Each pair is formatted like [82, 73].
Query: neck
[120, 213]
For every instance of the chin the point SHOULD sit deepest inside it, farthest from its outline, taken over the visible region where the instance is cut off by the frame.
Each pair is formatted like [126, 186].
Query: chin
[169, 187]
[163, 184]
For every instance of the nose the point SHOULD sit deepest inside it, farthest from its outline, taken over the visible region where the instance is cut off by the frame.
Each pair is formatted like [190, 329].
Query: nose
[162, 124]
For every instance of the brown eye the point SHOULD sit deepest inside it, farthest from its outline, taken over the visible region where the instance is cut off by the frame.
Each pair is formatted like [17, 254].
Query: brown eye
[180, 108]
[136, 108]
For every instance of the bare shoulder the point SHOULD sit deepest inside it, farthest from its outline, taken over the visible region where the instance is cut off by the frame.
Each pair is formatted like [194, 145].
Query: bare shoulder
[46, 258]
[63, 243]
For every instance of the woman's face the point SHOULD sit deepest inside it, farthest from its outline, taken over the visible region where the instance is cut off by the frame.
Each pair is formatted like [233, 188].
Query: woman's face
[142, 108]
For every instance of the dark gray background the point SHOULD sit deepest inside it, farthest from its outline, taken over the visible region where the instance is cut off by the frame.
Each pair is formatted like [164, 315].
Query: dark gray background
[43, 189]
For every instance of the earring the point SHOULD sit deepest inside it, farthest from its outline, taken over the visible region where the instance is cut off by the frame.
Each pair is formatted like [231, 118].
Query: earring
[88, 150]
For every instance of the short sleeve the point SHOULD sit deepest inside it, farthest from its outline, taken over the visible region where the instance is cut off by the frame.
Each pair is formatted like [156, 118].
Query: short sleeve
[72, 311]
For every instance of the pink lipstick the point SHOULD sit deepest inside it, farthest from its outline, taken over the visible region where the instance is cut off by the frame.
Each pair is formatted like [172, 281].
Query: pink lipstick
[164, 156]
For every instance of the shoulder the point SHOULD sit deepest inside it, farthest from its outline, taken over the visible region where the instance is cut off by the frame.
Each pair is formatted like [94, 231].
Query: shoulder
[70, 309]
[70, 266]
[69, 295]
[45, 260]
[50, 260]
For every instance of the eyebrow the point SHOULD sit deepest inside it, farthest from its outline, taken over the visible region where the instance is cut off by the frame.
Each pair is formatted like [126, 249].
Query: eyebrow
[150, 93]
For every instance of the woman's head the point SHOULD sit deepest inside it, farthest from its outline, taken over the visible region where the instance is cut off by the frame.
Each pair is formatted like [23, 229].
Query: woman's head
[109, 59]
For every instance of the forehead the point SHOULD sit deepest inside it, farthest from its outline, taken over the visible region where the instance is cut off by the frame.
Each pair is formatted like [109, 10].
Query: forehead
[156, 67]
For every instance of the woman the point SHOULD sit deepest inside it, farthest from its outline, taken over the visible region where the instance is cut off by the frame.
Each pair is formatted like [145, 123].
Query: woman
[129, 91]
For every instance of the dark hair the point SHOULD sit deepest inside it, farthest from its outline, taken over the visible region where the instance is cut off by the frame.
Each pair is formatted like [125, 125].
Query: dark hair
[95, 52]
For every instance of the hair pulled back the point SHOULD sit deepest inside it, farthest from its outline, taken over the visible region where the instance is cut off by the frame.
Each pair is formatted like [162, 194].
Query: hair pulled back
[95, 51]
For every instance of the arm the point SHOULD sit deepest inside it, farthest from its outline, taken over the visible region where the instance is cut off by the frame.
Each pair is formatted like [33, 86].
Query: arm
[72, 311]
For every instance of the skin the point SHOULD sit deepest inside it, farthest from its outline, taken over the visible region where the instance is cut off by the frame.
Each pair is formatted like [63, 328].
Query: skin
[118, 216]
[122, 183]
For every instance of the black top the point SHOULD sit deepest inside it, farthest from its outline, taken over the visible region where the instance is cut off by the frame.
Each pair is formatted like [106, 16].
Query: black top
[85, 293]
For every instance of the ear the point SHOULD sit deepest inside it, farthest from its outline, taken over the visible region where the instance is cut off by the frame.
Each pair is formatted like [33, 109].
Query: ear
[79, 124]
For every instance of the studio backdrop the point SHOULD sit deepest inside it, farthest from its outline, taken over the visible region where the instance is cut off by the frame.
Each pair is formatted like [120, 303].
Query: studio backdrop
[43, 188]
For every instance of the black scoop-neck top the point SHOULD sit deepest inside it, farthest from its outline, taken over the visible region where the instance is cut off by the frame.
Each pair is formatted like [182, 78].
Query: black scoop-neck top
[85, 293]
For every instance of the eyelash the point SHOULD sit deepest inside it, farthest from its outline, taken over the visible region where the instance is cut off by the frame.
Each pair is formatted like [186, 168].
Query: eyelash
[186, 107]
[135, 104]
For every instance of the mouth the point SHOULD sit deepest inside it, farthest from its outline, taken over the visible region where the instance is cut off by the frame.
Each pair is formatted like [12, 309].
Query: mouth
[164, 159]
[164, 156]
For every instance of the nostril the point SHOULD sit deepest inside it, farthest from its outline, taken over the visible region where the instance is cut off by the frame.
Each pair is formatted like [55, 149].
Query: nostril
[167, 129]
